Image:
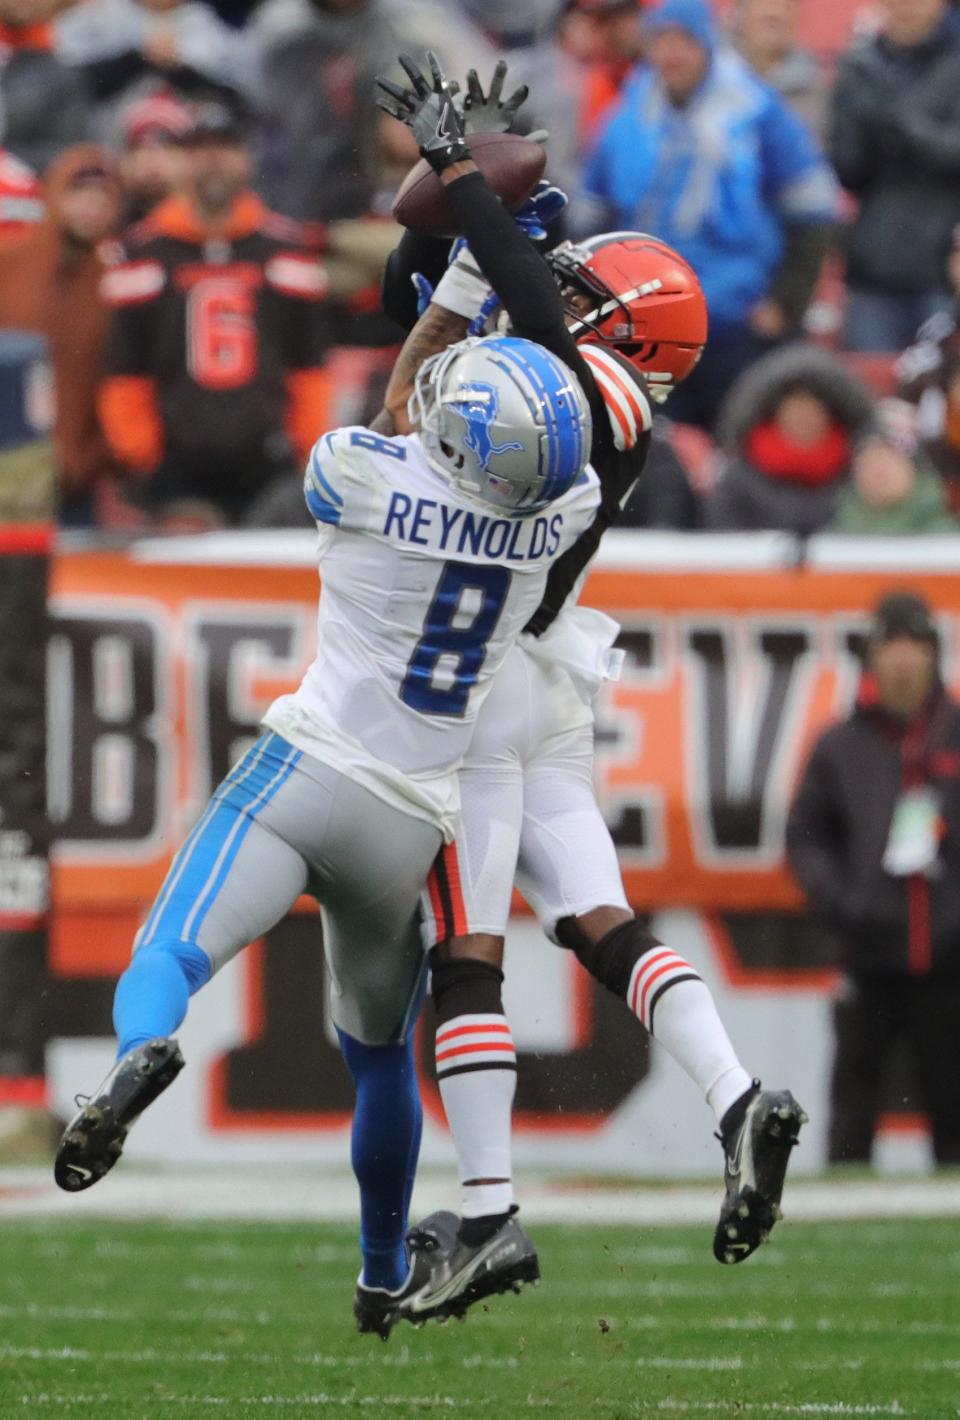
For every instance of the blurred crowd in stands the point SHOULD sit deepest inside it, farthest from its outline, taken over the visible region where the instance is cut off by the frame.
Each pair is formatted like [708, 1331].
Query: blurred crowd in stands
[194, 215]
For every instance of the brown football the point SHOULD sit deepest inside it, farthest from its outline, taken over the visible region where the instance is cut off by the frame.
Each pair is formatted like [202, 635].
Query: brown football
[511, 164]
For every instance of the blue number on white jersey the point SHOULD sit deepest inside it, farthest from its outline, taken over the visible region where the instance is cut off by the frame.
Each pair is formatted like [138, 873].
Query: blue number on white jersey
[364, 439]
[465, 645]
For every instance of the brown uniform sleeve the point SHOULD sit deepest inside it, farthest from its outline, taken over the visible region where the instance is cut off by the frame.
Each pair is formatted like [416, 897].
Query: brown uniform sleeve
[309, 408]
[128, 410]
[127, 398]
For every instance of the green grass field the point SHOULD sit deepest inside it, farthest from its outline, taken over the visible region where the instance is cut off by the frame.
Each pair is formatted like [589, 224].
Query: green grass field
[149, 1321]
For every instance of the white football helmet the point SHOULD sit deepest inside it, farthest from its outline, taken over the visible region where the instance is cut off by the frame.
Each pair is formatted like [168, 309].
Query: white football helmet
[505, 420]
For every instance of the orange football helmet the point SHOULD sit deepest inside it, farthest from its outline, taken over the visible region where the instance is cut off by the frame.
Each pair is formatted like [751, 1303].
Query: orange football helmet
[648, 303]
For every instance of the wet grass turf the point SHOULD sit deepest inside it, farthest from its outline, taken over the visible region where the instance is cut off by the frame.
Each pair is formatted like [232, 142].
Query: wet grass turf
[150, 1321]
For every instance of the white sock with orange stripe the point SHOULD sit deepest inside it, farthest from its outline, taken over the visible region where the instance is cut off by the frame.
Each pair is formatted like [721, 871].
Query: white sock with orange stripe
[477, 1073]
[677, 1009]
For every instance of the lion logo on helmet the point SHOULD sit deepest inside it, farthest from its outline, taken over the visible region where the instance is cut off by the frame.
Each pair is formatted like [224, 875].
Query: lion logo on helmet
[478, 407]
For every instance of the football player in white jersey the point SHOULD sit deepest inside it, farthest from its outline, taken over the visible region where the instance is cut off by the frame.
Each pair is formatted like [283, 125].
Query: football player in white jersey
[434, 549]
[633, 306]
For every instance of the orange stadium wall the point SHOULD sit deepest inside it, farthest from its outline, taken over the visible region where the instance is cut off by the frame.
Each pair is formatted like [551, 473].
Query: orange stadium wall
[164, 655]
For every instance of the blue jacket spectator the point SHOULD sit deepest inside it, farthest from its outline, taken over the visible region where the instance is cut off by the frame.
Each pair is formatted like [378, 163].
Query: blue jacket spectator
[710, 158]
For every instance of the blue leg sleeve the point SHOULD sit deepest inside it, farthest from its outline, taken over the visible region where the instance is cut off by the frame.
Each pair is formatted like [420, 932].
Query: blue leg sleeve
[152, 994]
[385, 1145]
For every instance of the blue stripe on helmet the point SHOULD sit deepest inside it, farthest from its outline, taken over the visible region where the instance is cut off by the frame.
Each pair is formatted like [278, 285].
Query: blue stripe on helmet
[571, 431]
[542, 375]
[552, 381]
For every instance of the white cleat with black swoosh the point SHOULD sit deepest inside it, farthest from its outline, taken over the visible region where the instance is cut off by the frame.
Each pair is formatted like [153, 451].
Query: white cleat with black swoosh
[756, 1146]
[93, 1140]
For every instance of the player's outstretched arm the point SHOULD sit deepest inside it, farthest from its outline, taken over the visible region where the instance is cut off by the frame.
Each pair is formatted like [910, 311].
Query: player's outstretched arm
[436, 329]
[508, 259]
[420, 260]
[515, 270]
[439, 126]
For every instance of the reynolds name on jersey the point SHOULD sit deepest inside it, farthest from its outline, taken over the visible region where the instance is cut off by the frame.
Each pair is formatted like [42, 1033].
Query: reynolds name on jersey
[396, 495]
[457, 532]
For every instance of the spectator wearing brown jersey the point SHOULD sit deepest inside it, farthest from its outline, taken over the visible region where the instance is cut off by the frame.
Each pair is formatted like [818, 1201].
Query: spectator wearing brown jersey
[214, 388]
[50, 283]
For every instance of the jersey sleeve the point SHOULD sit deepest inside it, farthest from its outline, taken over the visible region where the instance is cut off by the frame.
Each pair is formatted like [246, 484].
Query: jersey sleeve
[343, 471]
[325, 483]
[579, 508]
[512, 265]
[130, 290]
[618, 458]
[299, 281]
[127, 396]
[623, 393]
[299, 284]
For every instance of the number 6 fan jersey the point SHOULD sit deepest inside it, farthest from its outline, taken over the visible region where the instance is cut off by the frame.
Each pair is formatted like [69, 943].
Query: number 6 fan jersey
[214, 350]
[424, 592]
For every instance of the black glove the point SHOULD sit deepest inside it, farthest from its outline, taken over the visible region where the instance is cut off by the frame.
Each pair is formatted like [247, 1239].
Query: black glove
[490, 115]
[430, 114]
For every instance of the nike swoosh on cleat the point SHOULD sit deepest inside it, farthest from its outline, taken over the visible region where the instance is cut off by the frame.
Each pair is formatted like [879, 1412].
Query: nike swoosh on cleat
[735, 1160]
[424, 1299]
[78, 1168]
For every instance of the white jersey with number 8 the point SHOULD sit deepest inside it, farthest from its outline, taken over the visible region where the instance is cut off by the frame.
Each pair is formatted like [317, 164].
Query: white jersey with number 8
[424, 592]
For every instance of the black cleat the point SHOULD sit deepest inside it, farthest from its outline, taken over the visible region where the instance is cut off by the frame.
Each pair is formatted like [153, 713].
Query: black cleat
[461, 1274]
[756, 1153]
[93, 1140]
[376, 1310]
